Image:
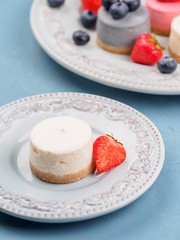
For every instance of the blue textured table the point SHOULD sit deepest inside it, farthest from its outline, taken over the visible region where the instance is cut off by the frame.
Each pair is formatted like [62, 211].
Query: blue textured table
[26, 70]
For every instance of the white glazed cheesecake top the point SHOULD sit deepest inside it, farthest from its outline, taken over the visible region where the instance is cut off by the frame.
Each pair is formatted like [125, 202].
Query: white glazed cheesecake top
[61, 135]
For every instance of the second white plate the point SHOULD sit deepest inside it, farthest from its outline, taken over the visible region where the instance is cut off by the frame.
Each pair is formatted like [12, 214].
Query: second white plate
[53, 29]
[25, 196]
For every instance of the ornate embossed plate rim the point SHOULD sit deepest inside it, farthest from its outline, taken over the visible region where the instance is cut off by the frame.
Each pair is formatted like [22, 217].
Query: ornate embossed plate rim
[100, 209]
[123, 81]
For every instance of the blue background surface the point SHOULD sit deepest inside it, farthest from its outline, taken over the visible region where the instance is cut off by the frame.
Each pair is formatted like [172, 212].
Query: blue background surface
[25, 69]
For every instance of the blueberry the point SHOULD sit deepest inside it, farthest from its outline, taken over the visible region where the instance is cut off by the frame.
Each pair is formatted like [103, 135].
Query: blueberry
[167, 65]
[55, 3]
[132, 4]
[88, 19]
[108, 3]
[119, 10]
[81, 37]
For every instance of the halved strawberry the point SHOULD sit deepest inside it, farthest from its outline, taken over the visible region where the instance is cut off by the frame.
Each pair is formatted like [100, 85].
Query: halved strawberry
[108, 153]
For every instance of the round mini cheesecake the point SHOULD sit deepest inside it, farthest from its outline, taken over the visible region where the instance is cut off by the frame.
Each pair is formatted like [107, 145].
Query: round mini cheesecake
[119, 36]
[174, 40]
[61, 150]
[161, 15]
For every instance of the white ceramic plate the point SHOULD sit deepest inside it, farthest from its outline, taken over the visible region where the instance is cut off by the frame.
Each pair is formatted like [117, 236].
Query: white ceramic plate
[53, 29]
[25, 196]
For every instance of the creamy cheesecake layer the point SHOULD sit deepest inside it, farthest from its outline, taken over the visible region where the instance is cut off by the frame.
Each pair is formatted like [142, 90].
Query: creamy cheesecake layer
[61, 146]
[122, 33]
[174, 40]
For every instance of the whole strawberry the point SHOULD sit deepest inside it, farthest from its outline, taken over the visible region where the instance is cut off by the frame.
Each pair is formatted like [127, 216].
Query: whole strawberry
[147, 50]
[108, 153]
[91, 5]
